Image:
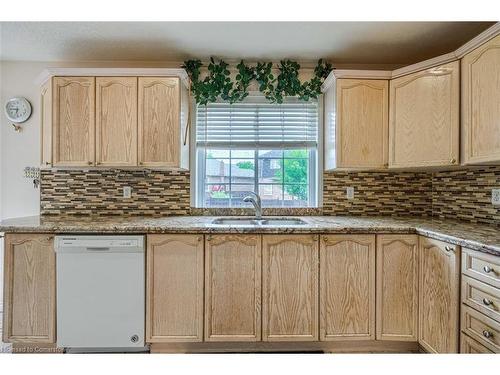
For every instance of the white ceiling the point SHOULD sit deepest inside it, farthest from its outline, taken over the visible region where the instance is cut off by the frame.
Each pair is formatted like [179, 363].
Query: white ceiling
[383, 43]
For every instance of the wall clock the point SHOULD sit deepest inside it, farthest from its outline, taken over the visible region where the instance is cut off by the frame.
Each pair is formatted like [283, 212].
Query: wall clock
[18, 109]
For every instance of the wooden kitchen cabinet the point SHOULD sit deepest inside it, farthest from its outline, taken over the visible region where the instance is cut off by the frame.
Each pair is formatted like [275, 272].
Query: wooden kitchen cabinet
[46, 124]
[233, 287]
[159, 118]
[174, 293]
[356, 116]
[439, 291]
[480, 108]
[424, 118]
[29, 289]
[397, 287]
[290, 287]
[73, 121]
[347, 287]
[116, 121]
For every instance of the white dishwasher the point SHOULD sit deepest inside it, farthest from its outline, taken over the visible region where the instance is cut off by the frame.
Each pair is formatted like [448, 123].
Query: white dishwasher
[100, 293]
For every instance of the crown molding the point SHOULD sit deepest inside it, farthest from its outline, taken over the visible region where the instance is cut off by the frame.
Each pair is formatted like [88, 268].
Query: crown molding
[354, 73]
[480, 39]
[112, 72]
[422, 65]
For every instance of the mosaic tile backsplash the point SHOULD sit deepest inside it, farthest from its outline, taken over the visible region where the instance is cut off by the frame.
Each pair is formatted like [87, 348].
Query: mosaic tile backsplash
[100, 192]
[457, 194]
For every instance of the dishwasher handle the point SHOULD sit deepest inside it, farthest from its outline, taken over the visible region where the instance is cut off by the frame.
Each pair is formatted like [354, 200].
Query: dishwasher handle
[98, 248]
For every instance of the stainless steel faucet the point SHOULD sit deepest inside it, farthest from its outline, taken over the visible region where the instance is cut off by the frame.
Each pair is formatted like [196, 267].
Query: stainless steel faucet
[257, 203]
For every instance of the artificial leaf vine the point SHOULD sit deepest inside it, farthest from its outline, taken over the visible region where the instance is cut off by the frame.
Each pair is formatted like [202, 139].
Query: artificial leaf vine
[218, 82]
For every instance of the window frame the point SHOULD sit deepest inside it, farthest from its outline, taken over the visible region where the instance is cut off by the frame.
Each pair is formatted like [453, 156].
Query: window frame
[198, 172]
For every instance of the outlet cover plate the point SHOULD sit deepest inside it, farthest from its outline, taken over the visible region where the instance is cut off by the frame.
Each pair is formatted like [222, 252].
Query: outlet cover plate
[495, 196]
[350, 192]
[127, 192]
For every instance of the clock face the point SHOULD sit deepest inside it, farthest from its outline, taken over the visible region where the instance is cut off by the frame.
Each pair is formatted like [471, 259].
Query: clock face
[17, 109]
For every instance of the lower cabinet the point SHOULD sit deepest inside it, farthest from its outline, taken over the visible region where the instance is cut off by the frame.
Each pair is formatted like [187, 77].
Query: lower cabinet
[233, 288]
[471, 346]
[290, 288]
[347, 287]
[174, 308]
[439, 296]
[397, 287]
[29, 290]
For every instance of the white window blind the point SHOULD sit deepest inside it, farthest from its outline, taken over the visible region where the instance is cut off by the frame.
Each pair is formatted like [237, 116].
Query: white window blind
[256, 123]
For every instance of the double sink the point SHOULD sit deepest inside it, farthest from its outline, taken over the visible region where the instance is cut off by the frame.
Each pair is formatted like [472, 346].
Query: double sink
[244, 221]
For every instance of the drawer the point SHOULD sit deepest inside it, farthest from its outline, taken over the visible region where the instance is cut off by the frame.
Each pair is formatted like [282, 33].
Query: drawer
[481, 297]
[471, 346]
[481, 266]
[481, 328]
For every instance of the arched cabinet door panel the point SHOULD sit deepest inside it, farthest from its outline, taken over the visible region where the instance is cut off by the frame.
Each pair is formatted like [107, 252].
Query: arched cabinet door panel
[30, 287]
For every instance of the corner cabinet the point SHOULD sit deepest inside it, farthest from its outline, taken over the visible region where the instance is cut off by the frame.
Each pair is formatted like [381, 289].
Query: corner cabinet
[174, 293]
[480, 104]
[356, 124]
[115, 121]
[233, 287]
[290, 287]
[30, 289]
[424, 118]
[73, 122]
[347, 287]
[397, 287]
[439, 294]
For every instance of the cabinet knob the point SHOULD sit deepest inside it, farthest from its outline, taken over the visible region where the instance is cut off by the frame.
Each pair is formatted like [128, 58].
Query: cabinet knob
[47, 163]
[453, 161]
[89, 163]
[487, 302]
[98, 163]
[487, 334]
[449, 248]
[487, 269]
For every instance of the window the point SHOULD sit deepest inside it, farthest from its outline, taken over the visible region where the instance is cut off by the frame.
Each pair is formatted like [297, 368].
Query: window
[256, 146]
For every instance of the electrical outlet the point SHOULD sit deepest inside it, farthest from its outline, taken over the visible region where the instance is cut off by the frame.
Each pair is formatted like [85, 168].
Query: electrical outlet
[127, 192]
[495, 196]
[350, 192]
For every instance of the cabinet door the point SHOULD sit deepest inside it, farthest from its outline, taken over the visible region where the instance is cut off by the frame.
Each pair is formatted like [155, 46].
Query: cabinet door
[174, 294]
[424, 118]
[471, 346]
[397, 287]
[480, 108]
[30, 285]
[233, 288]
[73, 116]
[116, 121]
[362, 123]
[290, 288]
[347, 287]
[159, 123]
[439, 296]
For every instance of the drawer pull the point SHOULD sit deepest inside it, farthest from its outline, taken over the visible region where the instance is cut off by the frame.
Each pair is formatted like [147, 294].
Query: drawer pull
[487, 302]
[449, 248]
[487, 334]
[487, 269]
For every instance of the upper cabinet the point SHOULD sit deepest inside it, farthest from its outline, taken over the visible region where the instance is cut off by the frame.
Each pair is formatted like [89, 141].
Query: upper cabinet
[159, 133]
[115, 121]
[73, 121]
[480, 104]
[356, 119]
[424, 118]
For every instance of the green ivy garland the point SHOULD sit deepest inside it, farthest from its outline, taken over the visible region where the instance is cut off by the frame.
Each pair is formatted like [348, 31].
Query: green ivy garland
[218, 82]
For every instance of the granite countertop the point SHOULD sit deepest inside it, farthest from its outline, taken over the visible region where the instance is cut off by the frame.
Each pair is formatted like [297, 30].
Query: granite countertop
[474, 236]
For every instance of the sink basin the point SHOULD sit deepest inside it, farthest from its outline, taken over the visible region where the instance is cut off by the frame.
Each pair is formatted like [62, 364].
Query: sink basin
[282, 222]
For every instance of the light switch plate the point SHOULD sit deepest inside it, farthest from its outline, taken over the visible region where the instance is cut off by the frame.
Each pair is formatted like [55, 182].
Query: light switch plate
[127, 192]
[350, 192]
[495, 196]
